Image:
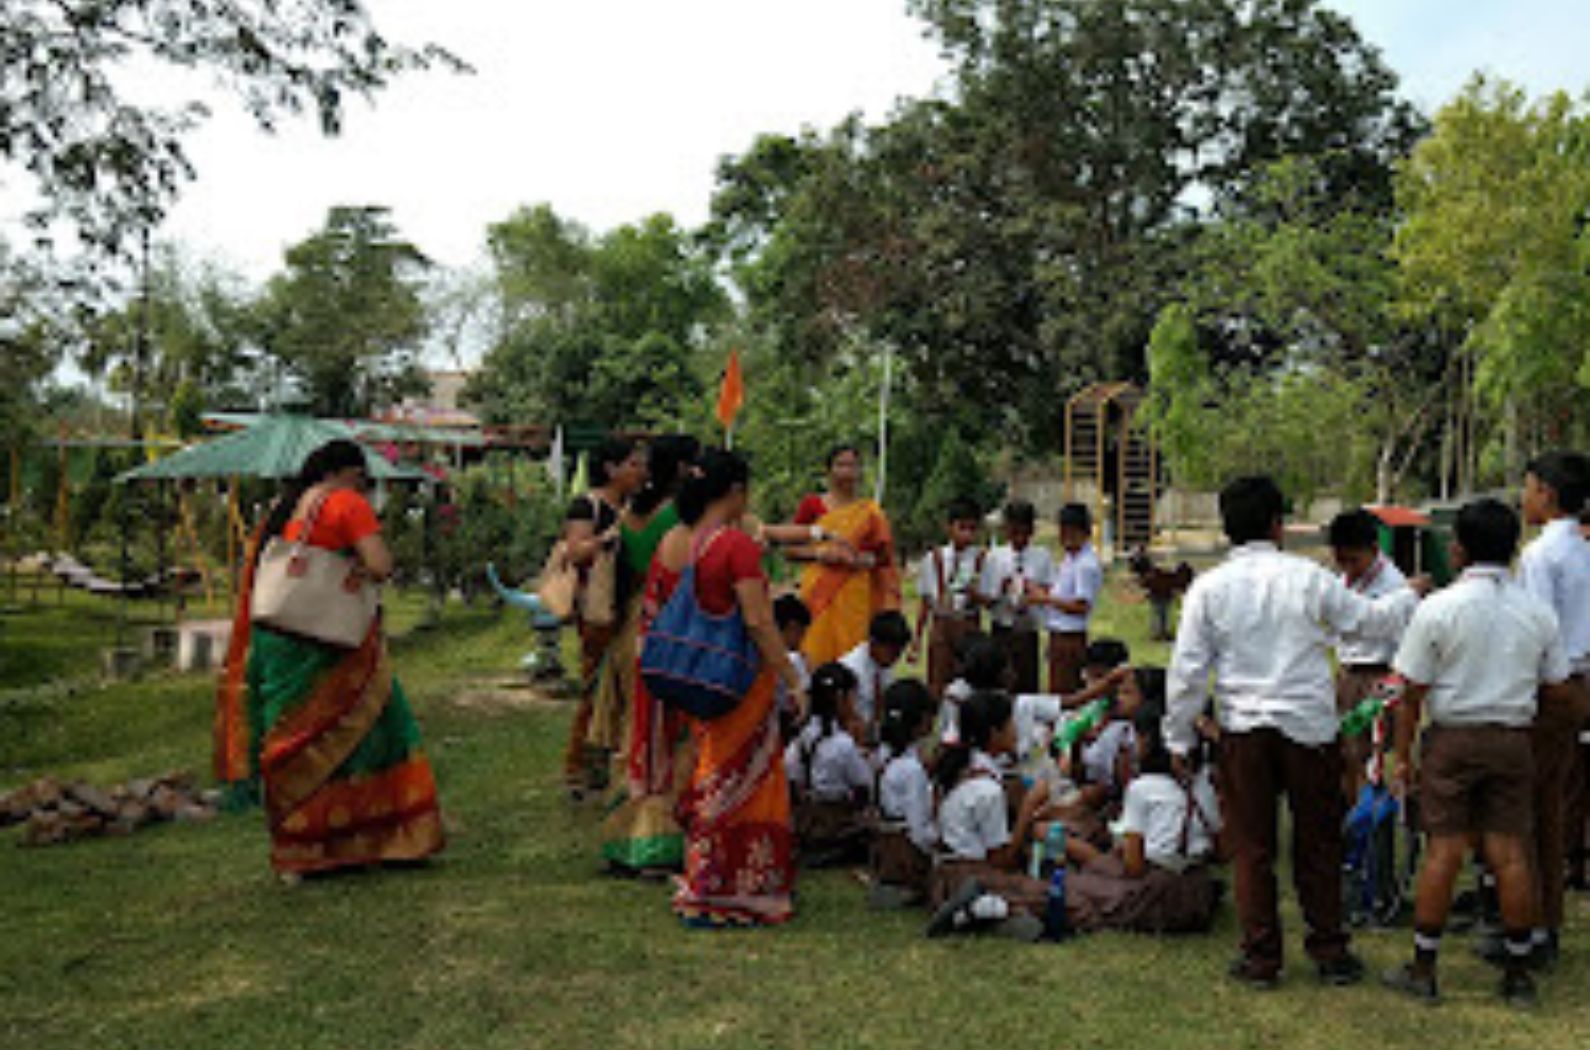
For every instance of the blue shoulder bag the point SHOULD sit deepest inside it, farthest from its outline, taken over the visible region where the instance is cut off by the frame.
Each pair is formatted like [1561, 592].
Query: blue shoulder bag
[696, 661]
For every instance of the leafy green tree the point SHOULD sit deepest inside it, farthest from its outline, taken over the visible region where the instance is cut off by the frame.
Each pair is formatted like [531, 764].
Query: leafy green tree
[1492, 253]
[346, 319]
[596, 329]
[1016, 239]
[109, 163]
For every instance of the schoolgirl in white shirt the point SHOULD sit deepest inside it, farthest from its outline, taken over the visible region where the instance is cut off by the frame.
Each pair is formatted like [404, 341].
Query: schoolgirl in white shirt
[829, 777]
[907, 833]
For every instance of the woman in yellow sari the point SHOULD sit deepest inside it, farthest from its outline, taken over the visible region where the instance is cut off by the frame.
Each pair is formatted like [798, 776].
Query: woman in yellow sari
[849, 582]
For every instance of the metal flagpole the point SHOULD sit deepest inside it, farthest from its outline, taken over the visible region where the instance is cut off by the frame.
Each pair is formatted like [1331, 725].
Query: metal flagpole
[883, 421]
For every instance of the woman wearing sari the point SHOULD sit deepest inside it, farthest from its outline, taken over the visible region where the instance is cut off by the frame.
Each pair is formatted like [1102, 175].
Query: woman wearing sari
[845, 584]
[739, 862]
[327, 732]
[591, 535]
[640, 835]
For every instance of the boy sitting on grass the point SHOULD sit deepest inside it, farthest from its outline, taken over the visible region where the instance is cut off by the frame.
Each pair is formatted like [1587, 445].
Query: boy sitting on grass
[1475, 655]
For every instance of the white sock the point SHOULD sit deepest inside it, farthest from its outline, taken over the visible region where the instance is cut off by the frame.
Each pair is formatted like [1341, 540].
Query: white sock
[1540, 936]
[989, 908]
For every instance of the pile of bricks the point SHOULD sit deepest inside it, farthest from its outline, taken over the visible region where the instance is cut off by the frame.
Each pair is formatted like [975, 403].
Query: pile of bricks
[52, 812]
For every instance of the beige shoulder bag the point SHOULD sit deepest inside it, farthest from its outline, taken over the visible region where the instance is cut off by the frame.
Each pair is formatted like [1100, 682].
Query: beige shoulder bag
[312, 592]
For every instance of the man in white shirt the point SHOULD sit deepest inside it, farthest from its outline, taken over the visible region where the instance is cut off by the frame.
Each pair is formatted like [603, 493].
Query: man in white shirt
[1476, 655]
[873, 662]
[1010, 573]
[1362, 661]
[1261, 625]
[1555, 567]
[1070, 600]
[947, 583]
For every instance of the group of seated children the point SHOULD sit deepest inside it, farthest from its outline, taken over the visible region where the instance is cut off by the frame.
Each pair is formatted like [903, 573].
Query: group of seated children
[969, 801]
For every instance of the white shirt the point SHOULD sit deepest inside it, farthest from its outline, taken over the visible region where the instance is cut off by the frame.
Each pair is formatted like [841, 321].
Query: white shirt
[904, 794]
[1078, 577]
[972, 817]
[1262, 622]
[1356, 647]
[1035, 715]
[871, 680]
[1483, 646]
[781, 693]
[837, 766]
[955, 694]
[959, 571]
[1555, 568]
[1101, 754]
[1155, 807]
[1005, 572]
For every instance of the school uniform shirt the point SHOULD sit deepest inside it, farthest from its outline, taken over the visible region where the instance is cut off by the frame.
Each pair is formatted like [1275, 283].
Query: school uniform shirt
[904, 794]
[1035, 715]
[1078, 577]
[972, 818]
[1483, 646]
[1100, 755]
[871, 680]
[1355, 648]
[1005, 571]
[1262, 623]
[1555, 567]
[781, 691]
[958, 571]
[955, 694]
[837, 766]
[1155, 807]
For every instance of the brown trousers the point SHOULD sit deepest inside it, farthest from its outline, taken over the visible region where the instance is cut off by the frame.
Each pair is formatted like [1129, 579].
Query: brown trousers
[1556, 742]
[1021, 654]
[1258, 767]
[1068, 654]
[944, 638]
[593, 646]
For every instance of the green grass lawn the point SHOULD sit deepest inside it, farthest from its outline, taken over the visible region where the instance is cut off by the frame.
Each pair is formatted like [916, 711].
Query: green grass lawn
[179, 937]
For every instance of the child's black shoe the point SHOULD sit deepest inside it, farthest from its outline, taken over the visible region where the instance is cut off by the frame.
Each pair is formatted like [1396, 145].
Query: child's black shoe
[1341, 971]
[1256, 975]
[1518, 991]
[954, 913]
[1410, 982]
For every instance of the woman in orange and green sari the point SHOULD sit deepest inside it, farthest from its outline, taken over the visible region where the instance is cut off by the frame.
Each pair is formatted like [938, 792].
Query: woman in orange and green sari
[846, 583]
[326, 732]
[739, 856]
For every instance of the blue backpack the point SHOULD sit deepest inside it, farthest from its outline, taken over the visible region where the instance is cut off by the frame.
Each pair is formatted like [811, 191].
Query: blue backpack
[696, 661]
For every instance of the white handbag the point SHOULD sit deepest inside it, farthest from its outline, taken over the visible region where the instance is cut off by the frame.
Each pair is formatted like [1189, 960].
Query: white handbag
[312, 592]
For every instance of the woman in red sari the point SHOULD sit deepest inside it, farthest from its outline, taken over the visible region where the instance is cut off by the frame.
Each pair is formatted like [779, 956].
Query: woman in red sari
[739, 862]
[853, 578]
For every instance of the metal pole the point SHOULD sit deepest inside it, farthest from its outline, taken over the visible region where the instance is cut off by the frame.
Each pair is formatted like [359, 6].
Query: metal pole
[883, 421]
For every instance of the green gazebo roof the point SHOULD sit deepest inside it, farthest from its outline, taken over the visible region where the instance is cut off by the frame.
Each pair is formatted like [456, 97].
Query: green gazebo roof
[273, 447]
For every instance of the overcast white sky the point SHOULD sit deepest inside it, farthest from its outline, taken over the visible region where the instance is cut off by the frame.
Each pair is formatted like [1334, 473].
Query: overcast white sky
[613, 109]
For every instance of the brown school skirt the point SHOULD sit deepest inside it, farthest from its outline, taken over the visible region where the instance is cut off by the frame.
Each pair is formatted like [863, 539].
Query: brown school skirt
[1102, 897]
[1023, 894]
[823, 829]
[896, 861]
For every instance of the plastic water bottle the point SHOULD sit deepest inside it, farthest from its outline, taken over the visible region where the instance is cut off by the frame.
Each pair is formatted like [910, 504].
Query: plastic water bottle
[1362, 716]
[1055, 925]
[1082, 723]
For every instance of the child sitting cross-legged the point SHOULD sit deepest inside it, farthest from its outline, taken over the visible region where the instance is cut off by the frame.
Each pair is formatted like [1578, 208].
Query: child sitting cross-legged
[977, 883]
[1155, 879]
[829, 777]
[902, 846]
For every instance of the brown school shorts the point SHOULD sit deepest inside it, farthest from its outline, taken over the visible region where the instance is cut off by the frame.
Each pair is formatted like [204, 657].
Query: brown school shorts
[1477, 779]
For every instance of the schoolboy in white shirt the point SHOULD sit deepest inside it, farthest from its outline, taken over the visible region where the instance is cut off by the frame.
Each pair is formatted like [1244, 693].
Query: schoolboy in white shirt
[1476, 655]
[946, 584]
[873, 663]
[1262, 623]
[1555, 567]
[1071, 599]
[1361, 660]
[1011, 570]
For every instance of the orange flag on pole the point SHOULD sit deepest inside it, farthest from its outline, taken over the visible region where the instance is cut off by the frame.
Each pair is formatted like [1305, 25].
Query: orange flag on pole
[732, 395]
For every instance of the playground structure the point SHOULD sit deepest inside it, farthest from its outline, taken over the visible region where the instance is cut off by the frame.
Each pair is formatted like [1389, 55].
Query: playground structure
[1112, 464]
